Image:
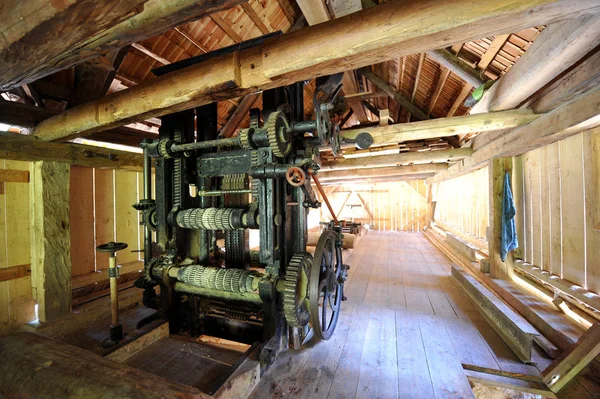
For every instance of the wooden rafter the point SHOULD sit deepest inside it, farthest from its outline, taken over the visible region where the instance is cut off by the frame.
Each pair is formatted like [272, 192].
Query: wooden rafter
[263, 25]
[238, 115]
[314, 11]
[328, 48]
[460, 99]
[150, 53]
[191, 39]
[438, 88]
[460, 68]
[226, 27]
[495, 47]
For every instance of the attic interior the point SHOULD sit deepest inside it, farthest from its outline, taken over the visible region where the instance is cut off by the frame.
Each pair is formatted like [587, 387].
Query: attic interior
[300, 198]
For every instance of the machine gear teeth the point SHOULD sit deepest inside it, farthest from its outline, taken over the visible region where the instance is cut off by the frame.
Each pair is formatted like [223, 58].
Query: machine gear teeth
[278, 134]
[295, 293]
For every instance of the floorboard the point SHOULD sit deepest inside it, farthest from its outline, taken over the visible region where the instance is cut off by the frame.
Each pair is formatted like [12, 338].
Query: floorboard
[404, 332]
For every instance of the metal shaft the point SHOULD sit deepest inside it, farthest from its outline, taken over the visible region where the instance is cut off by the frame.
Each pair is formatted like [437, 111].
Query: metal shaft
[147, 195]
[200, 145]
[114, 293]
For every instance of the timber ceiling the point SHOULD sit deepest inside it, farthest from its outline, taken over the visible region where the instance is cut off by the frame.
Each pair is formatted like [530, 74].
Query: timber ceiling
[417, 77]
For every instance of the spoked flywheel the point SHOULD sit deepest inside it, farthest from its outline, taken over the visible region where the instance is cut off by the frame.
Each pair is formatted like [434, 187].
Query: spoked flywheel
[326, 285]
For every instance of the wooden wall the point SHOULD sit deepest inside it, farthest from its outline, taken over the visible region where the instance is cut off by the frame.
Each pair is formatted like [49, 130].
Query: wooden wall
[389, 206]
[16, 302]
[560, 221]
[463, 203]
[101, 211]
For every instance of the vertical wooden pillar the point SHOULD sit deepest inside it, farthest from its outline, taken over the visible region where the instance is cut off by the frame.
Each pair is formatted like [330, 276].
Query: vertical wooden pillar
[497, 168]
[431, 203]
[50, 239]
[517, 190]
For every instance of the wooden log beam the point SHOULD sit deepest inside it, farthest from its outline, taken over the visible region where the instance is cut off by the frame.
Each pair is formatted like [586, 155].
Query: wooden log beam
[557, 48]
[460, 68]
[27, 148]
[444, 127]
[381, 172]
[106, 30]
[36, 360]
[23, 45]
[355, 97]
[364, 38]
[399, 98]
[50, 239]
[441, 156]
[569, 119]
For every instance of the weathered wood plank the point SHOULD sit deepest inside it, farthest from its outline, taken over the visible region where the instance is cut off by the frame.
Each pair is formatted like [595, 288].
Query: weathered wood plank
[50, 238]
[81, 209]
[14, 176]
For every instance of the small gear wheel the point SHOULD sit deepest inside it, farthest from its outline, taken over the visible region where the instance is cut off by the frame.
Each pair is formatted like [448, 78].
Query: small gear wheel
[245, 136]
[144, 204]
[278, 132]
[295, 293]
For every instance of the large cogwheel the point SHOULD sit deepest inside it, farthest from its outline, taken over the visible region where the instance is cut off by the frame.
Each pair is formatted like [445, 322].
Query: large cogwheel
[278, 132]
[295, 294]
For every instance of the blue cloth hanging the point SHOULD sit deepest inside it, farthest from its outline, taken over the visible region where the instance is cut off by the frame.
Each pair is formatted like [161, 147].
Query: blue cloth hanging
[509, 240]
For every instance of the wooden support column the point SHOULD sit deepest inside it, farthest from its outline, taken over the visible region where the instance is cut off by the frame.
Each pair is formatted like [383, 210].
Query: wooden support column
[50, 238]
[497, 168]
[430, 203]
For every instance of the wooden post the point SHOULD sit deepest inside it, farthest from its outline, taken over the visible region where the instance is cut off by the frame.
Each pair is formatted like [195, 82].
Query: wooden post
[430, 203]
[497, 169]
[50, 238]
[517, 190]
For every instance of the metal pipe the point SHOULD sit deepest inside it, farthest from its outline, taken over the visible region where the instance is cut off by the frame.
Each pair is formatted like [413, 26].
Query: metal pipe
[201, 145]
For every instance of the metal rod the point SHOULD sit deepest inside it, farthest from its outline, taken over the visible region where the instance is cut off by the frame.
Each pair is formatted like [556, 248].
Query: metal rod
[217, 193]
[147, 196]
[114, 293]
[200, 145]
[318, 184]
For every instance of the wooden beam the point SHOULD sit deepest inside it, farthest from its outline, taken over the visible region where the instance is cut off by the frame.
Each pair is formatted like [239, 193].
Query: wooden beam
[460, 68]
[371, 180]
[497, 169]
[444, 127]
[191, 39]
[346, 117]
[23, 45]
[50, 239]
[114, 32]
[226, 27]
[364, 96]
[14, 176]
[438, 89]
[417, 76]
[452, 155]
[364, 203]
[238, 115]
[512, 383]
[314, 11]
[460, 99]
[557, 48]
[14, 272]
[357, 40]
[563, 370]
[26, 148]
[399, 98]
[495, 47]
[337, 215]
[349, 90]
[258, 21]
[150, 53]
[569, 119]
[381, 172]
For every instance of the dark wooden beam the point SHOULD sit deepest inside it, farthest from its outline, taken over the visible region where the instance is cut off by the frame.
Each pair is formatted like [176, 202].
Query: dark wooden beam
[107, 27]
[399, 98]
[460, 68]
[238, 115]
[358, 40]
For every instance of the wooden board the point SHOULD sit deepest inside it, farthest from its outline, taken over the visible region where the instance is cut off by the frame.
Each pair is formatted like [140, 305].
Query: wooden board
[81, 209]
[591, 159]
[104, 211]
[127, 223]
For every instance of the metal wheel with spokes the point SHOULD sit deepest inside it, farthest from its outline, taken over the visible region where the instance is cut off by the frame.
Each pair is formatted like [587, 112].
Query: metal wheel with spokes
[325, 286]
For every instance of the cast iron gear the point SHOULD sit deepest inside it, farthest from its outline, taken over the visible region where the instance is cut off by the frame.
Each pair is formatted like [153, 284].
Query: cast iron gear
[245, 136]
[278, 132]
[295, 293]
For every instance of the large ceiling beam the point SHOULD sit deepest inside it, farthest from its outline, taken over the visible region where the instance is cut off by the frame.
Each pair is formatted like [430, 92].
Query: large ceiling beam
[557, 48]
[389, 179]
[417, 157]
[460, 68]
[444, 127]
[21, 147]
[108, 26]
[364, 38]
[399, 98]
[580, 114]
[381, 172]
[26, 28]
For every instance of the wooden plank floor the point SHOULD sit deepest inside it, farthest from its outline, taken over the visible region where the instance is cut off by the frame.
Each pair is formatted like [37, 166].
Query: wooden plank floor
[404, 332]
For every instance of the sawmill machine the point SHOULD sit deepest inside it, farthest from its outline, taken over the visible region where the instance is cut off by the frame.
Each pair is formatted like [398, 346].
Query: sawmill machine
[211, 192]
